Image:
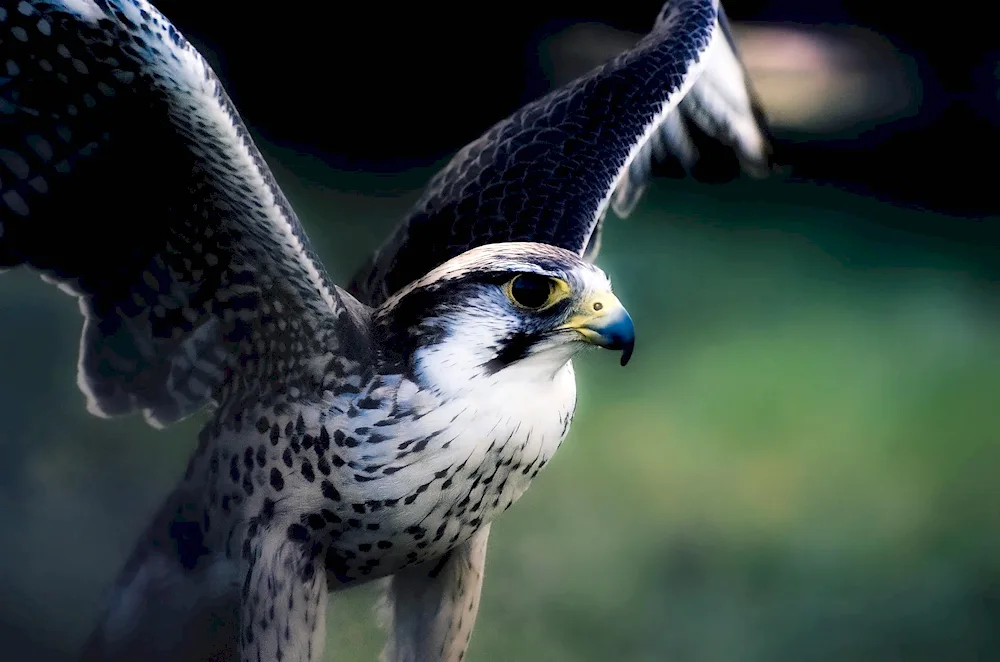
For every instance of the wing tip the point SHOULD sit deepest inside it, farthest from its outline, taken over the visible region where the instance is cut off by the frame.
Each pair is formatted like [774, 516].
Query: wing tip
[121, 404]
[106, 398]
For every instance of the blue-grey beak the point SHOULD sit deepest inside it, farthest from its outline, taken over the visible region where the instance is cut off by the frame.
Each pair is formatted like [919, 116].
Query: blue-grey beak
[603, 321]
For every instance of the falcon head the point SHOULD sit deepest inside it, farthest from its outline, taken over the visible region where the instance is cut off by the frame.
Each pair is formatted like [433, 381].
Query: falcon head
[501, 309]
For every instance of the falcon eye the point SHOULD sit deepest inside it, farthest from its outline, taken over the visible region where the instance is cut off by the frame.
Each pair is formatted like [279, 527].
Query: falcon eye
[531, 291]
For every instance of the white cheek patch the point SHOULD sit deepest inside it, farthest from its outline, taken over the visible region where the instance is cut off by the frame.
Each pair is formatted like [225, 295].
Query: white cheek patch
[477, 332]
[472, 338]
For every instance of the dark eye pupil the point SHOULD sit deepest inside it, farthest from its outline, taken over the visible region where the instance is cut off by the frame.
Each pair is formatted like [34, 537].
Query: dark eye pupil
[531, 291]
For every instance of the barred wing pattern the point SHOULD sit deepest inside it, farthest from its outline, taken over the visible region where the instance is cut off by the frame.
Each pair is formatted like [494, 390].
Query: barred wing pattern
[549, 172]
[128, 178]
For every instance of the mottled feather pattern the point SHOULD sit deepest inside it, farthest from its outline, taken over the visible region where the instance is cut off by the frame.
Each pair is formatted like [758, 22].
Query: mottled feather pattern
[345, 443]
[372, 481]
[548, 172]
[444, 632]
[193, 272]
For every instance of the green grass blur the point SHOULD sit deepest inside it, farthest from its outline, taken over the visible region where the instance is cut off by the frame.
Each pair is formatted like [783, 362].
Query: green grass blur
[799, 463]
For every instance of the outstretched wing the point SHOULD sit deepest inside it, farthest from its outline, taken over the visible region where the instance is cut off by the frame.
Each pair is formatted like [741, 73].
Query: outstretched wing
[549, 172]
[721, 112]
[128, 178]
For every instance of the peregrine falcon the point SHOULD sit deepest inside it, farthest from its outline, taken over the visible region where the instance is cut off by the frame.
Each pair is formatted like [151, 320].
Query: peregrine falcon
[353, 435]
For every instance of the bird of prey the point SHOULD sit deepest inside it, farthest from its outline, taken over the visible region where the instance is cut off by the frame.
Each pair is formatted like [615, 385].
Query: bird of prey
[351, 436]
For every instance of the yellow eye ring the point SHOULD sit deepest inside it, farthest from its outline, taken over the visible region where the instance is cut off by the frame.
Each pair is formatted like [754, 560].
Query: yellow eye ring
[535, 292]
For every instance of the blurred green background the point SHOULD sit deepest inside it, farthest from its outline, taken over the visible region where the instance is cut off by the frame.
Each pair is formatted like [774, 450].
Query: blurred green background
[799, 464]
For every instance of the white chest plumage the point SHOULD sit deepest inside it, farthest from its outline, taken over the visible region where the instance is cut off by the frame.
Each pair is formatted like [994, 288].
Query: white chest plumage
[475, 452]
[385, 499]
[499, 436]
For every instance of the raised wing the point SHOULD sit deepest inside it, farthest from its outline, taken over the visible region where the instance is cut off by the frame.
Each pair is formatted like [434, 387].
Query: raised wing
[128, 178]
[720, 113]
[549, 172]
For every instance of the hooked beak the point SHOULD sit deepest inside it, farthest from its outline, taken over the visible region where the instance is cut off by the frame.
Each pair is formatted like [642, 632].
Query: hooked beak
[603, 321]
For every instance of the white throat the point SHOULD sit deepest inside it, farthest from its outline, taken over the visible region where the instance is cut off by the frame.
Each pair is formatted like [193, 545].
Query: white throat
[458, 368]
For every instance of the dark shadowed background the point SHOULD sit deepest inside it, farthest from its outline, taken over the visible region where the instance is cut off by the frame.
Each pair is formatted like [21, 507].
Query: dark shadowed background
[800, 462]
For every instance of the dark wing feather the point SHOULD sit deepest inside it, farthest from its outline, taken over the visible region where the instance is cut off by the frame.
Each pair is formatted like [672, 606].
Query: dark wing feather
[550, 171]
[717, 128]
[128, 178]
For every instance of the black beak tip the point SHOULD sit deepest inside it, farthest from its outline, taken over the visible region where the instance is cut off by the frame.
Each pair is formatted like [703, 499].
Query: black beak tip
[622, 336]
[616, 333]
[627, 353]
